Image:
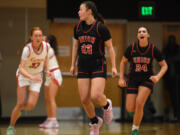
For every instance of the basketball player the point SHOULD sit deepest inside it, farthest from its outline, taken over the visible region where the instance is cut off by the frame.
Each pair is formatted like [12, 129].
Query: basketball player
[52, 85]
[29, 75]
[90, 38]
[141, 78]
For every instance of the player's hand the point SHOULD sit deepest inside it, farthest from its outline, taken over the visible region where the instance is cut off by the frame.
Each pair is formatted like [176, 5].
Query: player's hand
[72, 70]
[48, 73]
[114, 72]
[122, 82]
[154, 78]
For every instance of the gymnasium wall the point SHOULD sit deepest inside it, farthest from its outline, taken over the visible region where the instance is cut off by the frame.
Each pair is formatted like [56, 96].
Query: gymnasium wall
[17, 17]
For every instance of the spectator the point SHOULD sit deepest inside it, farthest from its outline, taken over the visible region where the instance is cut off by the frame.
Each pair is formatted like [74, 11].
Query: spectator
[171, 78]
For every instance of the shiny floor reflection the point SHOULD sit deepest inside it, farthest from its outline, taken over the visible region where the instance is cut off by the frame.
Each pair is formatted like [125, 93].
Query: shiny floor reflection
[80, 128]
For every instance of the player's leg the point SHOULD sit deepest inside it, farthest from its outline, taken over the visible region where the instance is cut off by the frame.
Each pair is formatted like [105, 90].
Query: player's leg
[56, 81]
[46, 91]
[51, 106]
[97, 91]
[46, 95]
[143, 93]
[33, 96]
[131, 94]
[132, 91]
[52, 85]
[130, 103]
[32, 100]
[84, 85]
[21, 96]
[99, 98]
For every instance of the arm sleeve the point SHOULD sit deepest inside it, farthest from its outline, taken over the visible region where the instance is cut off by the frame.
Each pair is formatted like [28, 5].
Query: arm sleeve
[127, 53]
[25, 53]
[158, 55]
[104, 32]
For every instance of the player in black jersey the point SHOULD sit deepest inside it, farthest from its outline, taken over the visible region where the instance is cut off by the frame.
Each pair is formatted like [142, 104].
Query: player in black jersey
[140, 78]
[90, 38]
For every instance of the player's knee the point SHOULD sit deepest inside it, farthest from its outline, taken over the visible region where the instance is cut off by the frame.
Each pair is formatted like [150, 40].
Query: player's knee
[85, 101]
[20, 105]
[139, 104]
[30, 106]
[96, 97]
[130, 108]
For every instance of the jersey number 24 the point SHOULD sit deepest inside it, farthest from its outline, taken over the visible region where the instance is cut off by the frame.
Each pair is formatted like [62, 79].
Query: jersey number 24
[140, 67]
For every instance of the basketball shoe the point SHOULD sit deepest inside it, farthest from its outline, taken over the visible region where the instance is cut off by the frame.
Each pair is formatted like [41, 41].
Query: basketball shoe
[10, 131]
[94, 128]
[135, 132]
[108, 114]
[51, 124]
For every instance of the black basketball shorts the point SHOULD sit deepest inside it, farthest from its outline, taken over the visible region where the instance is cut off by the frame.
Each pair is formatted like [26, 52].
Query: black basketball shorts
[134, 82]
[92, 71]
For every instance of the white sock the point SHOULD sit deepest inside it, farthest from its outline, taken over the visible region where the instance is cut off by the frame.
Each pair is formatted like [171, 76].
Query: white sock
[135, 127]
[52, 118]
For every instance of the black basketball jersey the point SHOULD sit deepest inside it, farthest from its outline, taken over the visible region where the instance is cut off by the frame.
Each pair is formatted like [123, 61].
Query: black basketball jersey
[91, 44]
[141, 59]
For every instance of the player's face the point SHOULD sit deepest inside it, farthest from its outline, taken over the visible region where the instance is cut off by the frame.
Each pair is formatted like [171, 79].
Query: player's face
[142, 34]
[37, 37]
[83, 12]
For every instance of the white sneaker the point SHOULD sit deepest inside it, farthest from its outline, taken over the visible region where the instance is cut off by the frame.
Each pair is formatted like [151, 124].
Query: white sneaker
[94, 128]
[108, 114]
[51, 124]
[43, 124]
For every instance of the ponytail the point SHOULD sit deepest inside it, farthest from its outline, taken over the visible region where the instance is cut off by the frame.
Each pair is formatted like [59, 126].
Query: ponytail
[91, 5]
[98, 17]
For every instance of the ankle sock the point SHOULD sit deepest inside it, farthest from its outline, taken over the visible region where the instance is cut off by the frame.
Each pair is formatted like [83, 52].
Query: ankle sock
[131, 114]
[106, 106]
[134, 127]
[94, 120]
[52, 118]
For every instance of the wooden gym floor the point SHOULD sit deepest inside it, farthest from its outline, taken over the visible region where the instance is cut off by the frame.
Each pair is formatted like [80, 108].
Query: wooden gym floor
[80, 128]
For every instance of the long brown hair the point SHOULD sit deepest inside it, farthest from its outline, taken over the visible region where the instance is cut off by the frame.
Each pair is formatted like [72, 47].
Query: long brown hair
[91, 5]
[53, 42]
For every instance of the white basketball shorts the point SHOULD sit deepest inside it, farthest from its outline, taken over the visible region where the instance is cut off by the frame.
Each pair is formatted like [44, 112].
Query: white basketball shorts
[33, 86]
[56, 77]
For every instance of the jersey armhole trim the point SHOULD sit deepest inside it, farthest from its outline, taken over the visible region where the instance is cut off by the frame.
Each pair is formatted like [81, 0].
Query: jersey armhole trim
[47, 48]
[29, 51]
[132, 49]
[78, 26]
[98, 30]
[152, 50]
